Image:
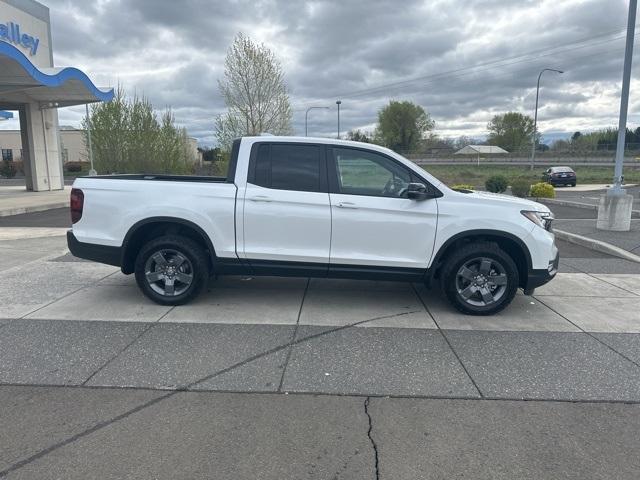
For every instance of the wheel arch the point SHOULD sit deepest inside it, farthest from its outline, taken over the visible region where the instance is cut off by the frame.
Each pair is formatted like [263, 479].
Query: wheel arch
[510, 243]
[144, 230]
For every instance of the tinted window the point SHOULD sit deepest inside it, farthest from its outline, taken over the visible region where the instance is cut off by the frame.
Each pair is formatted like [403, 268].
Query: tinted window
[288, 167]
[366, 173]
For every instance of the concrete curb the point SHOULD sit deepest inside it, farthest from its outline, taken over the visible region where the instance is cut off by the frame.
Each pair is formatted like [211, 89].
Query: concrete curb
[596, 245]
[35, 208]
[586, 206]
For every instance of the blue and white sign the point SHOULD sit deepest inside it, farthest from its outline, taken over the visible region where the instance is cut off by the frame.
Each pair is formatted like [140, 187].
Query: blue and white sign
[10, 32]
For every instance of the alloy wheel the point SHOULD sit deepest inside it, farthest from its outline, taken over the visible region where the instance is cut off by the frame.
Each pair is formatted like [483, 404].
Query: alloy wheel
[168, 272]
[481, 281]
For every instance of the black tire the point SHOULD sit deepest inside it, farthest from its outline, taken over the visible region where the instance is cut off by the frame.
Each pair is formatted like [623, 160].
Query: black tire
[183, 258]
[573, 184]
[469, 289]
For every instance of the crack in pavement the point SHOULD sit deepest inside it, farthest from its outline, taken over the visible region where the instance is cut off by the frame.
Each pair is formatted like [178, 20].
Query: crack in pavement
[374, 445]
[293, 337]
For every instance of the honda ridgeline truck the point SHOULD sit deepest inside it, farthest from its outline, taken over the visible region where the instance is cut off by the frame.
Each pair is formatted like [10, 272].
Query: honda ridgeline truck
[313, 207]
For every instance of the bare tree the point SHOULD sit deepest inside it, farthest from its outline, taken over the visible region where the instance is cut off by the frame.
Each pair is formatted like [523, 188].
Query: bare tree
[254, 92]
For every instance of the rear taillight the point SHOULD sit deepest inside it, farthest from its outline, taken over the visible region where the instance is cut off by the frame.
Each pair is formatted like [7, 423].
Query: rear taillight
[76, 203]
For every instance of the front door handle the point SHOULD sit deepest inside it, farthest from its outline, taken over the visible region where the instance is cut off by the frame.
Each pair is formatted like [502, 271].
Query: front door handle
[260, 198]
[347, 205]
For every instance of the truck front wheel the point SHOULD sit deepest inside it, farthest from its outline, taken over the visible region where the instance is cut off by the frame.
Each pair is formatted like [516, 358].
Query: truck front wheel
[171, 270]
[480, 279]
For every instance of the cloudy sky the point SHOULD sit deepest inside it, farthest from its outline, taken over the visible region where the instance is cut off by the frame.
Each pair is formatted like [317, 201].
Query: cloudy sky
[462, 60]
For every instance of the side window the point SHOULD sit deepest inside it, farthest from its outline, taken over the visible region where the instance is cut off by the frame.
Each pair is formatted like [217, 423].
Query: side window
[367, 173]
[288, 167]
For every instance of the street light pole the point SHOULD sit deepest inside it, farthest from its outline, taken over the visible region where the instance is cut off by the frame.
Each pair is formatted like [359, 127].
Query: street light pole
[338, 102]
[535, 116]
[306, 116]
[616, 206]
[616, 189]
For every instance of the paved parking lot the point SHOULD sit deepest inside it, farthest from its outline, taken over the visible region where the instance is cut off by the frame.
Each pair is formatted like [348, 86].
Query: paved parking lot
[309, 378]
[69, 322]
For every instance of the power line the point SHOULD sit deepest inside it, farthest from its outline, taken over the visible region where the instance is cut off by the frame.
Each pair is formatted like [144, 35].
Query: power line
[497, 63]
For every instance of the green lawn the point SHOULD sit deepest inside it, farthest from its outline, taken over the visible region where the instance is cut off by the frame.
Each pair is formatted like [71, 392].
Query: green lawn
[474, 175]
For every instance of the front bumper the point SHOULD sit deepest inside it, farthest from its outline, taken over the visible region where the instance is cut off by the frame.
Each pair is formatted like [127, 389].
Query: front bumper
[537, 278]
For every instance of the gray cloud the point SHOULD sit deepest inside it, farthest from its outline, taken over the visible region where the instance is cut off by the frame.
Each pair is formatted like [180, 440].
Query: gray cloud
[173, 53]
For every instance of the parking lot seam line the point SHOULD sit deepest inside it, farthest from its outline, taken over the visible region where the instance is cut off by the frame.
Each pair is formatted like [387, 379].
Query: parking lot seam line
[590, 334]
[136, 338]
[371, 440]
[446, 339]
[287, 345]
[331, 394]
[84, 433]
[612, 284]
[61, 298]
[294, 335]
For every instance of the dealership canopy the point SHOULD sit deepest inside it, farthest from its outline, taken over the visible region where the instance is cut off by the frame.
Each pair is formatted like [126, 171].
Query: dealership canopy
[21, 81]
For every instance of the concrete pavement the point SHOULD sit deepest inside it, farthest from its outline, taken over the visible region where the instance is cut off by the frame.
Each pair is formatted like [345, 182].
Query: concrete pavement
[80, 433]
[313, 378]
[15, 200]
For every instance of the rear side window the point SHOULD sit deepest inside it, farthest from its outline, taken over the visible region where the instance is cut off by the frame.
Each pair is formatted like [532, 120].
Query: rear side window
[288, 167]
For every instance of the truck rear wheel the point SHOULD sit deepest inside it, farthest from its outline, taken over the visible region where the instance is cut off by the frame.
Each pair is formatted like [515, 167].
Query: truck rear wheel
[171, 270]
[480, 279]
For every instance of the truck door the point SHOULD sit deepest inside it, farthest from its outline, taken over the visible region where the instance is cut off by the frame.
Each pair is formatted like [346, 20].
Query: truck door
[374, 223]
[286, 214]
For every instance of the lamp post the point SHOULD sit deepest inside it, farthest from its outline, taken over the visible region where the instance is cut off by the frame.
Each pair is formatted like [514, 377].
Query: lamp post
[338, 102]
[616, 189]
[535, 116]
[306, 116]
[616, 206]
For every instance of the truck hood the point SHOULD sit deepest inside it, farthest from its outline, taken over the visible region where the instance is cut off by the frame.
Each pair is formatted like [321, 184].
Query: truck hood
[521, 203]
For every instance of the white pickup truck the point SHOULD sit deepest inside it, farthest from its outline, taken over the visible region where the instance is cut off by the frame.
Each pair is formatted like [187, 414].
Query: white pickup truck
[313, 207]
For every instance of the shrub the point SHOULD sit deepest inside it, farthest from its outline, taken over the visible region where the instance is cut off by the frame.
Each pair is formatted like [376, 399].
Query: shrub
[496, 183]
[520, 186]
[462, 186]
[19, 166]
[543, 190]
[8, 169]
[73, 167]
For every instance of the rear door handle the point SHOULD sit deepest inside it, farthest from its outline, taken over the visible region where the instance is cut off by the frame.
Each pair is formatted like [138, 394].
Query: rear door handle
[260, 198]
[347, 205]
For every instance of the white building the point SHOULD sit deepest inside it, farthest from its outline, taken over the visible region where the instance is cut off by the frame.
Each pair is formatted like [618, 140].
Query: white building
[32, 87]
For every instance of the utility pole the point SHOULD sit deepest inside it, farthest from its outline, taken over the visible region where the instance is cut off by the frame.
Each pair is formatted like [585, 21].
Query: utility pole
[92, 171]
[614, 211]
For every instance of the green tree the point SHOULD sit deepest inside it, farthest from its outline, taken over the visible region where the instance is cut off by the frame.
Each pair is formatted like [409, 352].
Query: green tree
[127, 137]
[255, 94]
[511, 131]
[402, 126]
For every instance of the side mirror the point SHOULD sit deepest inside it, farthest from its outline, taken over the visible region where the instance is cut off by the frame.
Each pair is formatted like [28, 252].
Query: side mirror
[417, 191]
